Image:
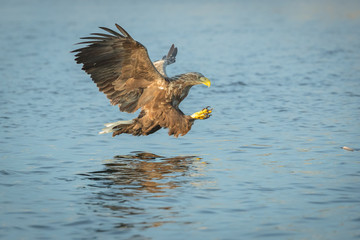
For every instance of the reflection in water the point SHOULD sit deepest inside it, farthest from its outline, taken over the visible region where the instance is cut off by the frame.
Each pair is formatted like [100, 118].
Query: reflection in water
[140, 184]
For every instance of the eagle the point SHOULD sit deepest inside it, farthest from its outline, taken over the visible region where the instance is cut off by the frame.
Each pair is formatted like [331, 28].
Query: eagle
[122, 70]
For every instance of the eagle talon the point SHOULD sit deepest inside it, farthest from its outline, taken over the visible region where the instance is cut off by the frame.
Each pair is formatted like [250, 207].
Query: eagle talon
[203, 114]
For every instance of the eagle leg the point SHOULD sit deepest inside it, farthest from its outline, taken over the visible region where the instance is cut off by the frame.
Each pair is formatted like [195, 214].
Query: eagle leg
[203, 114]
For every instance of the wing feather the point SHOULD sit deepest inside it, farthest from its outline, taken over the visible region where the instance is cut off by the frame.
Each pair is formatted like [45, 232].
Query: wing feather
[123, 31]
[111, 31]
[119, 66]
[102, 35]
[168, 59]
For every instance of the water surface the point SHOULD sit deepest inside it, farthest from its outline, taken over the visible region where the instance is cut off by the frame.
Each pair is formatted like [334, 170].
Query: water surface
[267, 165]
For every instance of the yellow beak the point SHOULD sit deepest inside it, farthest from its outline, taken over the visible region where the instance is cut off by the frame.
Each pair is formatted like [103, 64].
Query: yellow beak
[205, 81]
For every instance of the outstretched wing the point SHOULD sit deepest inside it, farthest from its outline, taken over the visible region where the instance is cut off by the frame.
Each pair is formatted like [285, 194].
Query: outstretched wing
[120, 67]
[168, 59]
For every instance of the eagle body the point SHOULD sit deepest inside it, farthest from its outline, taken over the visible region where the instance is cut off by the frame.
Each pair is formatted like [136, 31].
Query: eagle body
[123, 71]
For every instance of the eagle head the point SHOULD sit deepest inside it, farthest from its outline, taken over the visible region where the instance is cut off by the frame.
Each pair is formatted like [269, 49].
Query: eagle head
[195, 78]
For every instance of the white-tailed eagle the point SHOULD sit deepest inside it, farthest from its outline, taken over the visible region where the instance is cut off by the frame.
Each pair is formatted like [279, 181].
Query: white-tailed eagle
[122, 69]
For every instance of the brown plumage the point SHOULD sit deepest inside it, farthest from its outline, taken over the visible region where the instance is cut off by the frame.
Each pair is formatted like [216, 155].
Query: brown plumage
[121, 68]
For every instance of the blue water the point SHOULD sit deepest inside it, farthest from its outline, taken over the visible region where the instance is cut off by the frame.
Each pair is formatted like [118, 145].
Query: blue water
[267, 165]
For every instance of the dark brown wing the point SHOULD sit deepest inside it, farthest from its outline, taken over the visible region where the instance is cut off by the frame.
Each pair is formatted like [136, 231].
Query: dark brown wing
[120, 67]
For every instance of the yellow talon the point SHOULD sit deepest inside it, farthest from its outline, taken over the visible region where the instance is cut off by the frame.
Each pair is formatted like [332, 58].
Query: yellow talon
[203, 114]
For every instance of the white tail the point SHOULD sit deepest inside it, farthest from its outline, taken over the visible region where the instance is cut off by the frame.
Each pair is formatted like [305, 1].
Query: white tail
[111, 127]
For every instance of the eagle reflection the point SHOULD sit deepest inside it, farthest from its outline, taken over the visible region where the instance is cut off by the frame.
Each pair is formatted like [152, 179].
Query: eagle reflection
[142, 172]
[128, 185]
[137, 189]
